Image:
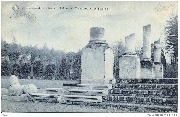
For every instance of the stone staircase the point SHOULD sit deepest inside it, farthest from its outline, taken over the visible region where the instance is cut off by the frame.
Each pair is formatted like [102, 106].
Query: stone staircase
[152, 95]
[148, 93]
[86, 93]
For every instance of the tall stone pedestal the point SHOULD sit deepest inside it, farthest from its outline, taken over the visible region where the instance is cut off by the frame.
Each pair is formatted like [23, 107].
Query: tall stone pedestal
[146, 69]
[97, 60]
[146, 63]
[130, 44]
[158, 70]
[129, 67]
[147, 42]
[109, 66]
[157, 66]
[129, 64]
[92, 65]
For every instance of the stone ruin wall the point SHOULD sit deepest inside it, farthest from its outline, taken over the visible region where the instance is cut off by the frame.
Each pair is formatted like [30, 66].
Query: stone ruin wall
[130, 66]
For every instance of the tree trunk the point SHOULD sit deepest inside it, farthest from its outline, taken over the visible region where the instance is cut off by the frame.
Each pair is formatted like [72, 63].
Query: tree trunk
[31, 73]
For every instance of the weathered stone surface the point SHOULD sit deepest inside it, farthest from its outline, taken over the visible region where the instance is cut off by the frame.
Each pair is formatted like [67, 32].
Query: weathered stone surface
[146, 69]
[96, 33]
[147, 42]
[97, 59]
[158, 70]
[109, 64]
[147, 81]
[129, 67]
[130, 44]
[146, 92]
[157, 53]
[92, 65]
[147, 73]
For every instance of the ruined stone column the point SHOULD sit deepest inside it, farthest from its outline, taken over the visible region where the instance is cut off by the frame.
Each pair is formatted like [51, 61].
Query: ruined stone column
[93, 58]
[130, 44]
[96, 33]
[146, 63]
[129, 64]
[109, 65]
[147, 42]
[157, 66]
[157, 53]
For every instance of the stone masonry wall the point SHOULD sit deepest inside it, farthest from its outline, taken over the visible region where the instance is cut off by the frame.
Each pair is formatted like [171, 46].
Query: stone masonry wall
[159, 94]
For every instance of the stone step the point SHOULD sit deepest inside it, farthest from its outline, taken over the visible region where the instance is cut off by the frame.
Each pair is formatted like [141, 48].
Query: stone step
[148, 81]
[83, 91]
[44, 95]
[142, 105]
[46, 99]
[146, 106]
[146, 103]
[93, 86]
[139, 97]
[142, 100]
[135, 96]
[70, 84]
[144, 93]
[54, 89]
[82, 98]
[146, 86]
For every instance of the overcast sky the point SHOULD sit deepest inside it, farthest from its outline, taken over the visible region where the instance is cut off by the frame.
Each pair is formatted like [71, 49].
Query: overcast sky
[68, 29]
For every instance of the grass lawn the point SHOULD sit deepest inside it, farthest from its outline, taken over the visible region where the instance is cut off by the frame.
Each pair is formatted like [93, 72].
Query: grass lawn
[42, 84]
[11, 106]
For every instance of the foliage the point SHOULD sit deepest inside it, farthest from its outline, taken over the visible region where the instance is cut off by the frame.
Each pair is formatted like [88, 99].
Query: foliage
[172, 38]
[5, 68]
[28, 62]
[171, 31]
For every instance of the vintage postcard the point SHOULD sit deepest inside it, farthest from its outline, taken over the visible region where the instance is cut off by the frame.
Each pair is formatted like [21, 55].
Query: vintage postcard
[89, 56]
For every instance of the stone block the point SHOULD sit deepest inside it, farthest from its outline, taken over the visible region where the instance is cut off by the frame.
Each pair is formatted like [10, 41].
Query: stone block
[157, 53]
[96, 33]
[146, 69]
[97, 60]
[92, 65]
[147, 42]
[121, 98]
[109, 64]
[129, 67]
[130, 44]
[158, 70]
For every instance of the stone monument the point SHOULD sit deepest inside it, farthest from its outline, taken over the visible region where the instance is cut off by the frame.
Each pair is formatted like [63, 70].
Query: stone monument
[146, 63]
[129, 64]
[157, 65]
[109, 65]
[97, 59]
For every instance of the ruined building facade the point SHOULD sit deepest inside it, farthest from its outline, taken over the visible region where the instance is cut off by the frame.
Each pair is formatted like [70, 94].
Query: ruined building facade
[97, 59]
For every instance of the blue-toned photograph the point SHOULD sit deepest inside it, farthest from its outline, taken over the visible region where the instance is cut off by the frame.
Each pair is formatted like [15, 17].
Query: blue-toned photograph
[89, 57]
